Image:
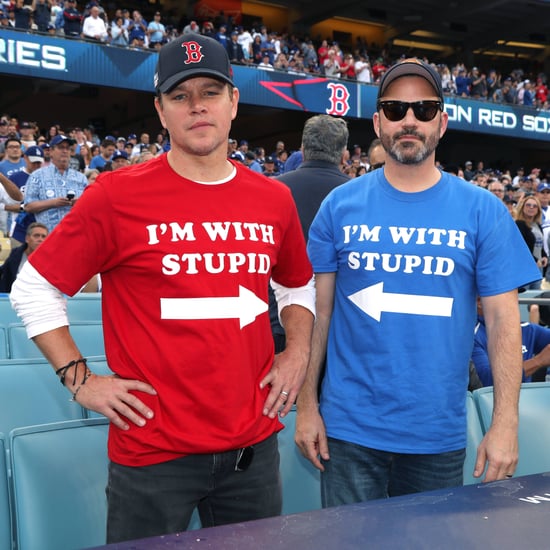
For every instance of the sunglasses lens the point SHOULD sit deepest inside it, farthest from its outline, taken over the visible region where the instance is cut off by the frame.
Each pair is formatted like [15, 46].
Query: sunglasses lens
[395, 110]
[424, 111]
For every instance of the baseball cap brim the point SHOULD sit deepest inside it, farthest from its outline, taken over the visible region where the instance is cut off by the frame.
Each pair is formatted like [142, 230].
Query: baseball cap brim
[411, 67]
[174, 80]
[35, 159]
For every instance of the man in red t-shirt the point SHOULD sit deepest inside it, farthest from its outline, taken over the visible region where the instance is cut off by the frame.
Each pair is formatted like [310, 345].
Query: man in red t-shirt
[186, 245]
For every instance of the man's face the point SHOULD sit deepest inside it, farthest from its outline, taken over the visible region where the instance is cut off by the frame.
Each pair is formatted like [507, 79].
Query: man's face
[544, 197]
[60, 155]
[108, 151]
[410, 141]
[36, 238]
[119, 163]
[32, 166]
[198, 113]
[13, 151]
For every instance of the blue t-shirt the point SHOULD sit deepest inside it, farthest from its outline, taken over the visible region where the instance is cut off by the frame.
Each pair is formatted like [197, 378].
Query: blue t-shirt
[534, 339]
[408, 268]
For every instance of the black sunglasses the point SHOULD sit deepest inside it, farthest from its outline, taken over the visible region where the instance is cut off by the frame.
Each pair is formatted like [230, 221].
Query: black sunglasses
[424, 111]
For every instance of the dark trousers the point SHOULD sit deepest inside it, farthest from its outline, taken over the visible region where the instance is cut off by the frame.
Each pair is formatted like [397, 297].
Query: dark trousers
[159, 499]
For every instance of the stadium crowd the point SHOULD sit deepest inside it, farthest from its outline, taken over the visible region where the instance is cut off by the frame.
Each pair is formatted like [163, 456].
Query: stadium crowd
[263, 48]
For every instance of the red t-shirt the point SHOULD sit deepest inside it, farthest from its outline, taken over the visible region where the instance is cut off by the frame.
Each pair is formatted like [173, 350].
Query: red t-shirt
[155, 237]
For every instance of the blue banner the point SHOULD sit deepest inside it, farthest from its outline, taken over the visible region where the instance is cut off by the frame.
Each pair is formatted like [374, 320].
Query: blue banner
[56, 58]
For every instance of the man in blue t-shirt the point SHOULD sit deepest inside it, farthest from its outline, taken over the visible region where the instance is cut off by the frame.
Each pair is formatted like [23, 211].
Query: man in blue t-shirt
[400, 255]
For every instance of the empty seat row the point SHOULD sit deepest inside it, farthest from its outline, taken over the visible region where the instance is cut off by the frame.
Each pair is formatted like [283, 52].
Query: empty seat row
[55, 495]
[80, 307]
[14, 343]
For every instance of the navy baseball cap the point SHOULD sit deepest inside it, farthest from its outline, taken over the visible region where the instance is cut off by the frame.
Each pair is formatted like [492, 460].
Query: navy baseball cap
[56, 140]
[542, 186]
[34, 154]
[189, 56]
[411, 67]
[119, 155]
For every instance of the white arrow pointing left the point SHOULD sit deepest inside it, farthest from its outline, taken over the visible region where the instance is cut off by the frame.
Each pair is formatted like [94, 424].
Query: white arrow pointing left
[373, 301]
[245, 307]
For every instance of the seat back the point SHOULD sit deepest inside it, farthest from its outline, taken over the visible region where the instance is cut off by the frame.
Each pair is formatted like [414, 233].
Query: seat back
[31, 394]
[474, 435]
[84, 306]
[87, 335]
[5, 509]
[7, 313]
[3, 342]
[300, 479]
[534, 428]
[59, 476]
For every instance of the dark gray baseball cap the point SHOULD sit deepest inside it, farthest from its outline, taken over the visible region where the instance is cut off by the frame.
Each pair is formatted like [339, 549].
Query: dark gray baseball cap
[411, 67]
[188, 56]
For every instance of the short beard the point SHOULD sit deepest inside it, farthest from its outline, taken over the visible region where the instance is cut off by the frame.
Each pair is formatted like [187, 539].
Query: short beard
[410, 155]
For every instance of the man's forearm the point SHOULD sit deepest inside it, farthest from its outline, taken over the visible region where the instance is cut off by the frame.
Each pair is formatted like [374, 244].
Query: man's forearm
[504, 346]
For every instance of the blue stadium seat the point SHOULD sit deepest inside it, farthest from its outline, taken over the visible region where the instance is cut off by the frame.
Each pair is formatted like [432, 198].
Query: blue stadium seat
[534, 428]
[474, 435]
[3, 342]
[85, 306]
[7, 313]
[5, 509]
[59, 475]
[31, 394]
[300, 479]
[87, 335]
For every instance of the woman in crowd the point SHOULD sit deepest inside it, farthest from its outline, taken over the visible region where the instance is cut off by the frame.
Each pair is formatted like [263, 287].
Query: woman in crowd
[528, 220]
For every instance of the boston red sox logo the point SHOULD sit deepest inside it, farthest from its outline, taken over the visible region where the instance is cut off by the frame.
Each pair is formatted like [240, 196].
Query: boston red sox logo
[193, 51]
[339, 100]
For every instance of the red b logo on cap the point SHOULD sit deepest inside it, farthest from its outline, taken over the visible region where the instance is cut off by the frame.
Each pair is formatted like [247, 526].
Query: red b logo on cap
[193, 51]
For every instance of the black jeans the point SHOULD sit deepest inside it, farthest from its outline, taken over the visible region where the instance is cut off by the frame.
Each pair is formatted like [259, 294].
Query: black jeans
[155, 500]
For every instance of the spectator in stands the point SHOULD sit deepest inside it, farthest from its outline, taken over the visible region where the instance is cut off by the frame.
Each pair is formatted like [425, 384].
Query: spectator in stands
[52, 191]
[144, 140]
[221, 36]
[528, 220]
[10, 197]
[119, 160]
[41, 15]
[463, 83]
[362, 69]
[137, 30]
[35, 235]
[72, 19]
[18, 219]
[13, 161]
[376, 155]
[347, 68]
[265, 65]
[22, 15]
[245, 40]
[252, 163]
[119, 35]
[234, 49]
[256, 50]
[497, 188]
[478, 87]
[107, 148]
[331, 66]
[94, 27]
[370, 351]
[173, 417]
[535, 349]
[157, 32]
[269, 167]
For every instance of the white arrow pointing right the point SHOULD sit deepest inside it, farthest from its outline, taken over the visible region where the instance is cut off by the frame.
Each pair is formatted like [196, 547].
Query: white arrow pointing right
[245, 307]
[373, 301]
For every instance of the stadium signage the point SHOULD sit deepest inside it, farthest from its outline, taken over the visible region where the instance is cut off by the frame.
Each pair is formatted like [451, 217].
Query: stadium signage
[31, 54]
